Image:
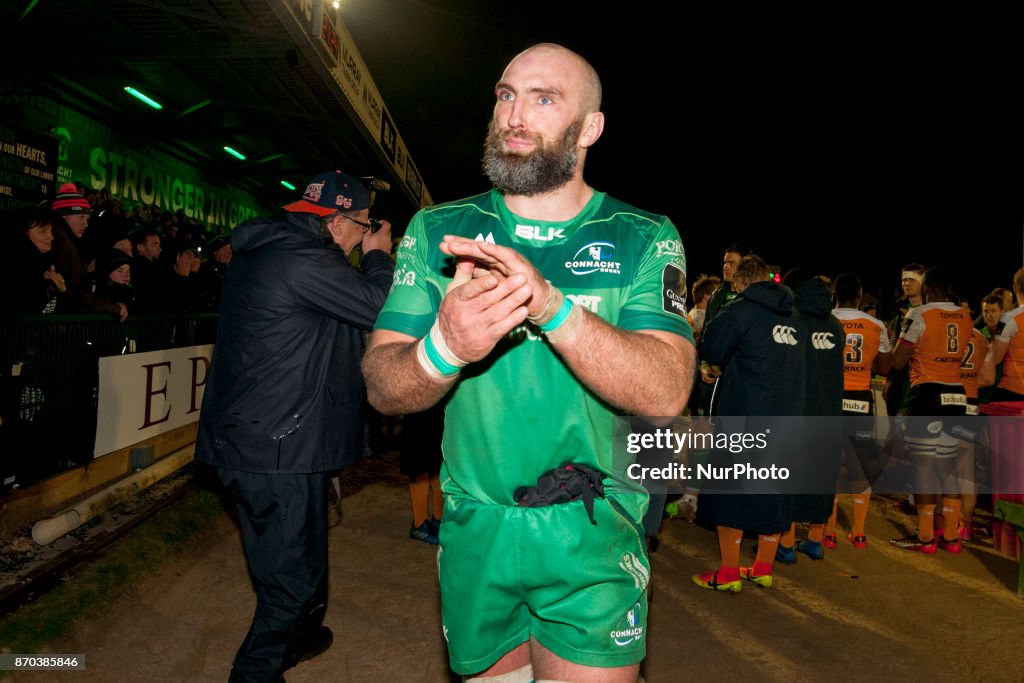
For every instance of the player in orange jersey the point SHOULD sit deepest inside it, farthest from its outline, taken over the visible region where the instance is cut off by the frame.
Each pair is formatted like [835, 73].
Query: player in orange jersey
[934, 342]
[967, 431]
[867, 350]
[1008, 348]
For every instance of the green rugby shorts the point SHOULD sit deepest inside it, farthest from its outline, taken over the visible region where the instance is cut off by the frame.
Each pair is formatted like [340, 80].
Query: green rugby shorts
[508, 573]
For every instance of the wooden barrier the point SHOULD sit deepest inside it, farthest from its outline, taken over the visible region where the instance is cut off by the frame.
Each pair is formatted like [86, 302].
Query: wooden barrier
[23, 507]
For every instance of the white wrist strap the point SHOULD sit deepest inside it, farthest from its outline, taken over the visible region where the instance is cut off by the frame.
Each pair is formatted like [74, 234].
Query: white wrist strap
[434, 356]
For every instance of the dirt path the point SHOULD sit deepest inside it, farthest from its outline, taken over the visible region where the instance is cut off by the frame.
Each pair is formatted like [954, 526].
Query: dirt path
[878, 614]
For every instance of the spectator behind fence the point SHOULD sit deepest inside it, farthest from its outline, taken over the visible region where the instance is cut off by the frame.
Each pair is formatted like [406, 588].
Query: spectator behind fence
[115, 277]
[72, 253]
[213, 270]
[180, 285]
[30, 281]
[146, 275]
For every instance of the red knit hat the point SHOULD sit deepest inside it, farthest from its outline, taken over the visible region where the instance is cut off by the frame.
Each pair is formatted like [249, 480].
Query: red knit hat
[70, 202]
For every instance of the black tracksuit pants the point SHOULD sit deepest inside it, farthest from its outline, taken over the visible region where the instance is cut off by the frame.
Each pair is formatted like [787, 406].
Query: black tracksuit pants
[283, 518]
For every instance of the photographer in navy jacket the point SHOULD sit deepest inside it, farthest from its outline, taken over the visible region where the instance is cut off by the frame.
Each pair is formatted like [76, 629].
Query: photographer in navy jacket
[283, 408]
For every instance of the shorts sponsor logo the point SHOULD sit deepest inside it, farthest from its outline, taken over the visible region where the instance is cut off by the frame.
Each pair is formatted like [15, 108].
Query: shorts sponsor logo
[852, 406]
[972, 410]
[935, 427]
[595, 257]
[783, 334]
[953, 399]
[635, 568]
[822, 341]
[673, 292]
[629, 628]
[533, 232]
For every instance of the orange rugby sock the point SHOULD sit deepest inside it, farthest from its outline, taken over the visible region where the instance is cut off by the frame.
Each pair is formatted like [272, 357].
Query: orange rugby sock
[925, 521]
[861, 504]
[729, 543]
[767, 544]
[830, 525]
[951, 511]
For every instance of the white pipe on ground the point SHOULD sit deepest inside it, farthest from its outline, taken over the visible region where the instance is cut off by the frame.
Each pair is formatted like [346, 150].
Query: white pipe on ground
[47, 531]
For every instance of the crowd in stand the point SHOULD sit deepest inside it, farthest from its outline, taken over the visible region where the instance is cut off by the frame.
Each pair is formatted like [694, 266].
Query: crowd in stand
[85, 252]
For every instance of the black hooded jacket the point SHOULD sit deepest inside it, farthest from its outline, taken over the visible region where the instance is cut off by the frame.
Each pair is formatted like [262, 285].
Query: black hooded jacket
[755, 341]
[825, 341]
[285, 392]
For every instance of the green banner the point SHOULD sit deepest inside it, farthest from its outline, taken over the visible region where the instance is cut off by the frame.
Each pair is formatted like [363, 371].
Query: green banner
[137, 173]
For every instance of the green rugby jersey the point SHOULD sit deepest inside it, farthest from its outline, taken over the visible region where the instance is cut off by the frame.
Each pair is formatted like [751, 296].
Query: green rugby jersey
[520, 411]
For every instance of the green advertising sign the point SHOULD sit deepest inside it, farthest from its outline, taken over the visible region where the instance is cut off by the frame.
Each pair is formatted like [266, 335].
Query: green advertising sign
[137, 173]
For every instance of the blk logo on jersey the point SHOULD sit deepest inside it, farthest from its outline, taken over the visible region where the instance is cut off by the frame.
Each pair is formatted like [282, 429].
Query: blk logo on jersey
[534, 232]
[783, 334]
[596, 257]
[673, 290]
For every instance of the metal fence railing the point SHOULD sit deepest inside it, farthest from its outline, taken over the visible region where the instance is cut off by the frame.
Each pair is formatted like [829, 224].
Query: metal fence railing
[49, 383]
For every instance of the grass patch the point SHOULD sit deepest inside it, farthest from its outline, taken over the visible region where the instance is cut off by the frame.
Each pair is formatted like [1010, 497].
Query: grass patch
[87, 590]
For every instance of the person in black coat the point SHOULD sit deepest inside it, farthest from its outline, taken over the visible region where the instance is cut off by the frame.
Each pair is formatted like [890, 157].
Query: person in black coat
[823, 341]
[283, 407]
[29, 279]
[755, 340]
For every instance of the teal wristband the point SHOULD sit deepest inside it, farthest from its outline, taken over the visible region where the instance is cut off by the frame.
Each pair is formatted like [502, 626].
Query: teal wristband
[560, 317]
[444, 367]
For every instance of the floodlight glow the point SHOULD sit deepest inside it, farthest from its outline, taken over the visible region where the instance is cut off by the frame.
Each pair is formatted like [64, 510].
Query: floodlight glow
[287, 184]
[235, 153]
[145, 98]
